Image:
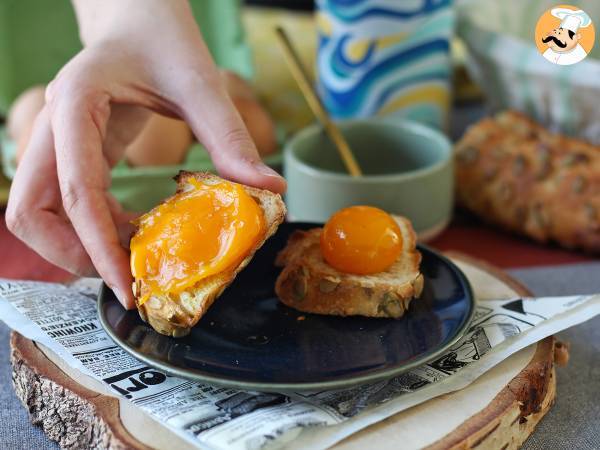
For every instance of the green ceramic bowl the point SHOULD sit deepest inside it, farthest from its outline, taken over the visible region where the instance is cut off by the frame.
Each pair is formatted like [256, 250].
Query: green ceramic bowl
[407, 170]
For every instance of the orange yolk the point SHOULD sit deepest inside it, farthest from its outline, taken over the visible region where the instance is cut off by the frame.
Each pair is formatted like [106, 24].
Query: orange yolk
[361, 240]
[193, 235]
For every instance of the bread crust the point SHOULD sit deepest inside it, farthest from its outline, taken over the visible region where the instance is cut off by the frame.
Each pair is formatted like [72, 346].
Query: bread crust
[514, 173]
[176, 315]
[307, 283]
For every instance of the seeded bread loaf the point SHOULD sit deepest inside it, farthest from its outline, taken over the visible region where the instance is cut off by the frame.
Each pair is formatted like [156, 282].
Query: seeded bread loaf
[512, 172]
[307, 283]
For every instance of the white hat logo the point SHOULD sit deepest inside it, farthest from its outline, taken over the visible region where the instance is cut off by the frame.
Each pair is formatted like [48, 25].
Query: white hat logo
[572, 20]
[560, 41]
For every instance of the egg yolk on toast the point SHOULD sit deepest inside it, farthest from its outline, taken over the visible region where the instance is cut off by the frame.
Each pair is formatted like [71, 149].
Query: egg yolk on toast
[206, 230]
[361, 240]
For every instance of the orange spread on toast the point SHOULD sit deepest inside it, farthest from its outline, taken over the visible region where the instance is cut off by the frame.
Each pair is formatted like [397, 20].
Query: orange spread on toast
[205, 230]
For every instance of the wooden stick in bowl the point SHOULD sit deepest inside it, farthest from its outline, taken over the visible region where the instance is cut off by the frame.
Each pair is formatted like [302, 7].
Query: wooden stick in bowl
[315, 104]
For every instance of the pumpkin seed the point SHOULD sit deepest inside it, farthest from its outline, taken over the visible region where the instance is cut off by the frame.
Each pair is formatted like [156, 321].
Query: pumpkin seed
[390, 305]
[299, 288]
[154, 302]
[490, 173]
[506, 192]
[578, 185]
[521, 214]
[574, 158]
[519, 165]
[467, 155]
[540, 216]
[591, 212]
[544, 160]
[418, 285]
[180, 332]
[499, 153]
[327, 286]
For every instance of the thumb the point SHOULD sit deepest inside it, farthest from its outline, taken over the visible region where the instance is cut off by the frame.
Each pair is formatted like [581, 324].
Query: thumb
[215, 122]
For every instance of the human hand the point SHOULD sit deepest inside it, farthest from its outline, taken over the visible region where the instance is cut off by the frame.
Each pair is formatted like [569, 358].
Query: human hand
[59, 202]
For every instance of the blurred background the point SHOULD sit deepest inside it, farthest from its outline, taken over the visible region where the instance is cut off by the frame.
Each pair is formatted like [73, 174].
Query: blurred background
[445, 64]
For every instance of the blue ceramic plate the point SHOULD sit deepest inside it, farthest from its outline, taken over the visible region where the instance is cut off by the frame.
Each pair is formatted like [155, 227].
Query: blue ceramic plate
[249, 340]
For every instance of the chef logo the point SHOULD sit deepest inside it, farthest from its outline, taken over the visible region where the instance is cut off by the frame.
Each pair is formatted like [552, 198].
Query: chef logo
[564, 35]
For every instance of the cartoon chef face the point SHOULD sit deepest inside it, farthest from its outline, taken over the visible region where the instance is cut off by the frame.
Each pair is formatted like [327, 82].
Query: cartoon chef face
[564, 41]
[561, 40]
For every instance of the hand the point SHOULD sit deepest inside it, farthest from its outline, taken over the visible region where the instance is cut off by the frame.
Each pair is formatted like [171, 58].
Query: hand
[59, 202]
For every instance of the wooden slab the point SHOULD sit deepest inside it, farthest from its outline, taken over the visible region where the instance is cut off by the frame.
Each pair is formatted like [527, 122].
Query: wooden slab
[499, 410]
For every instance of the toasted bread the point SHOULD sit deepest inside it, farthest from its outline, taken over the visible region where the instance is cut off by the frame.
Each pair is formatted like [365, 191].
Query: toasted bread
[307, 283]
[175, 315]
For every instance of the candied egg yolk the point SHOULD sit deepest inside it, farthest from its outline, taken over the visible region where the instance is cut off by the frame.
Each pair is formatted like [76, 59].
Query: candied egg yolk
[202, 231]
[361, 240]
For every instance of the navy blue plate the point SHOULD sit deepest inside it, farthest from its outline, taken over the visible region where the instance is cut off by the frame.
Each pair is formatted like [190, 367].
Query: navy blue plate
[249, 340]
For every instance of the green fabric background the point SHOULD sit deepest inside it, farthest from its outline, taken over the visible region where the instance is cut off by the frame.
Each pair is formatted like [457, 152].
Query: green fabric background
[37, 37]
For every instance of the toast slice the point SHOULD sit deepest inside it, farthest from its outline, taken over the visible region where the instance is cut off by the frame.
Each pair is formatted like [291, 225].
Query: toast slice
[307, 283]
[174, 315]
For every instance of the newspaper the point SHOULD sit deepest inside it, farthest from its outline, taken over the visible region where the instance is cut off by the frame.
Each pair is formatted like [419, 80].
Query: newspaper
[64, 319]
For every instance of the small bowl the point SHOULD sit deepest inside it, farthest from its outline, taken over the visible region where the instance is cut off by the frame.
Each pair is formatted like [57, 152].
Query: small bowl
[407, 171]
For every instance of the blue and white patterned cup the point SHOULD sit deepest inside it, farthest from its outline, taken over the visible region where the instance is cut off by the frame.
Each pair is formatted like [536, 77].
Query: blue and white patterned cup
[385, 57]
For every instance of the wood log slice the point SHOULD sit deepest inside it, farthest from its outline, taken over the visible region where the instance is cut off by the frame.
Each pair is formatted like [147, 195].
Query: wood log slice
[499, 410]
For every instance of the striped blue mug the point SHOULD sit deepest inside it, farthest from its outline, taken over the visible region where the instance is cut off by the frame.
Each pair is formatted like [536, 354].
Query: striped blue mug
[385, 57]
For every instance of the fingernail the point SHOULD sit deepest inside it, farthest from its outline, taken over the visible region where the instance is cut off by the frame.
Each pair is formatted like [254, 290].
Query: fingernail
[122, 299]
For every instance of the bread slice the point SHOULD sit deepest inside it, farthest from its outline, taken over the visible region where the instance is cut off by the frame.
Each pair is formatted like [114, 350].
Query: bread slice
[175, 315]
[307, 283]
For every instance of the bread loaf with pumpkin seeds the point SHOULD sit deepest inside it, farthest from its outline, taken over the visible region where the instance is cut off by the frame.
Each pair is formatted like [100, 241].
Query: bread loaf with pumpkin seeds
[307, 283]
[513, 172]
